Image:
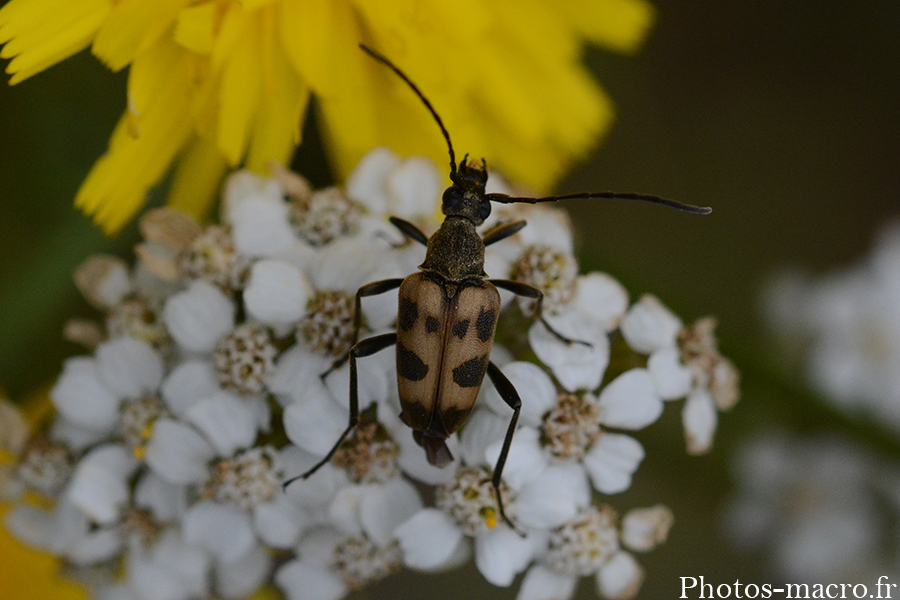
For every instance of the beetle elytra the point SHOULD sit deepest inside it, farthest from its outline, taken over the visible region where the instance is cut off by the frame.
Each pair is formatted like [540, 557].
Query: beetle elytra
[448, 311]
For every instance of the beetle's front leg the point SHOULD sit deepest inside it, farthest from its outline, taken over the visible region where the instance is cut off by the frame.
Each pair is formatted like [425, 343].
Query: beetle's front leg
[409, 230]
[509, 394]
[529, 291]
[366, 347]
[370, 289]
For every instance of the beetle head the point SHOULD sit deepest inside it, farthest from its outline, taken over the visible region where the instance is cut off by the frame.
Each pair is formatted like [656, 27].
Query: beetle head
[465, 198]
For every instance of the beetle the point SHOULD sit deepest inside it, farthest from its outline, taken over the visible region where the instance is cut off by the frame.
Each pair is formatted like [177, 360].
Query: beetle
[447, 312]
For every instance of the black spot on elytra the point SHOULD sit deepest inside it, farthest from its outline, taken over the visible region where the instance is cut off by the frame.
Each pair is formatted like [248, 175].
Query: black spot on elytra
[471, 372]
[408, 313]
[431, 324]
[460, 329]
[409, 365]
[485, 324]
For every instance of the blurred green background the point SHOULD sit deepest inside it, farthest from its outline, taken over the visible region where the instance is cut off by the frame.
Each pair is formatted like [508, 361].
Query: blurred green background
[780, 115]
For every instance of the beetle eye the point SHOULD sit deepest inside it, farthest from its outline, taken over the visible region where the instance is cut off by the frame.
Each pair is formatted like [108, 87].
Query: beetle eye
[451, 198]
[484, 210]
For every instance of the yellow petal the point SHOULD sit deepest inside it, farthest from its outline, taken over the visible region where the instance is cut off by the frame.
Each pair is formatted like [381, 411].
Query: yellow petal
[160, 91]
[46, 32]
[620, 25]
[195, 27]
[239, 92]
[276, 130]
[133, 25]
[196, 181]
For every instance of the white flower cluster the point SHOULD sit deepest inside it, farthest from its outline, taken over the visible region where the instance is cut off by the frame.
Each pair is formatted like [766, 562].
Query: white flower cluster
[846, 328]
[821, 510]
[203, 393]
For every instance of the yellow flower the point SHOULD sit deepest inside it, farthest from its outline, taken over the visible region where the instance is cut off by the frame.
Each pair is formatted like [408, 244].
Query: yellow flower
[214, 84]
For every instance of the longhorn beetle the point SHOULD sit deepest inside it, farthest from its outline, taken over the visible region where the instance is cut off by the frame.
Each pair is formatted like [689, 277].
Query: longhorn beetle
[448, 312]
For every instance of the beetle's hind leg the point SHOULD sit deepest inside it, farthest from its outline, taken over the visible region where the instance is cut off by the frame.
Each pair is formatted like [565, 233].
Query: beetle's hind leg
[366, 347]
[370, 289]
[529, 291]
[509, 394]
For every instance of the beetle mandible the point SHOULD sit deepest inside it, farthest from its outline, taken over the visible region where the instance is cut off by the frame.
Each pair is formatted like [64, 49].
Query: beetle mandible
[448, 312]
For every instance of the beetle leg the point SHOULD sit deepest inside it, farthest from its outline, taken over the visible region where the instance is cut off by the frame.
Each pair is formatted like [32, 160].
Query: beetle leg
[501, 232]
[409, 230]
[509, 394]
[366, 347]
[370, 289]
[529, 291]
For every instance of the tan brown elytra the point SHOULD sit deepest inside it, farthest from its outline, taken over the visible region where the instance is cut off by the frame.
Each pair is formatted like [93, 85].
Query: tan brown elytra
[448, 312]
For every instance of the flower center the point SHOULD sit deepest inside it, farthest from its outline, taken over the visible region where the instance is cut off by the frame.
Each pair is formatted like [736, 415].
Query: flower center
[569, 430]
[247, 480]
[328, 324]
[360, 562]
[212, 257]
[243, 358]
[583, 545]
[369, 455]
[44, 466]
[135, 317]
[137, 418]
[700, 352]
[470, 501]
[323, 216]
[549, 270]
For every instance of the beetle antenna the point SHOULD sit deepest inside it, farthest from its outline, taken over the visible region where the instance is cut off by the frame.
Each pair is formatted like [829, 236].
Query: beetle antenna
[697, 210]
[385, 61]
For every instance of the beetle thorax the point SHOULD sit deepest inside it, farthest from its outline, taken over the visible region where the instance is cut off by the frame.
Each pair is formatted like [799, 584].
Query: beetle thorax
[455, 251]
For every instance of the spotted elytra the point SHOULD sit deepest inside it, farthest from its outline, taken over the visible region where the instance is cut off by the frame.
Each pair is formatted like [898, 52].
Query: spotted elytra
[448, 312]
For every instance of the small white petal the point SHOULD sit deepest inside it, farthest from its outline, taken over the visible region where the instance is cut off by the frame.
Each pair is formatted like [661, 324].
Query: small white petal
[296, 374]
[260, 226]
[177, 453]
[536, 390]
[99, 485]
[612, 461]
[315, 425]
[630, 401]
[97, 546]
[671, 378]
[384, 507]
[541, 583]
[620, 578]
[243, 577]
[343, 512]
[228, 422]
[81, 397]
[525, 460]
[276, 293]
[554, 497]
[502, 554]
[643, 529]
[129, 367]
[302, 581]
[368, 181]
[76, 437]
[52, 531]
[602, 298]
[172, 570]
[413, 461]
[649, 325]
[482, 429]
[315, 494]
[188, 383]
[576, 366]
[223, 531]
[700, 419]
[429, 539]
[414, 188]
[279, 522]
[165, 500]
[197, 317]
